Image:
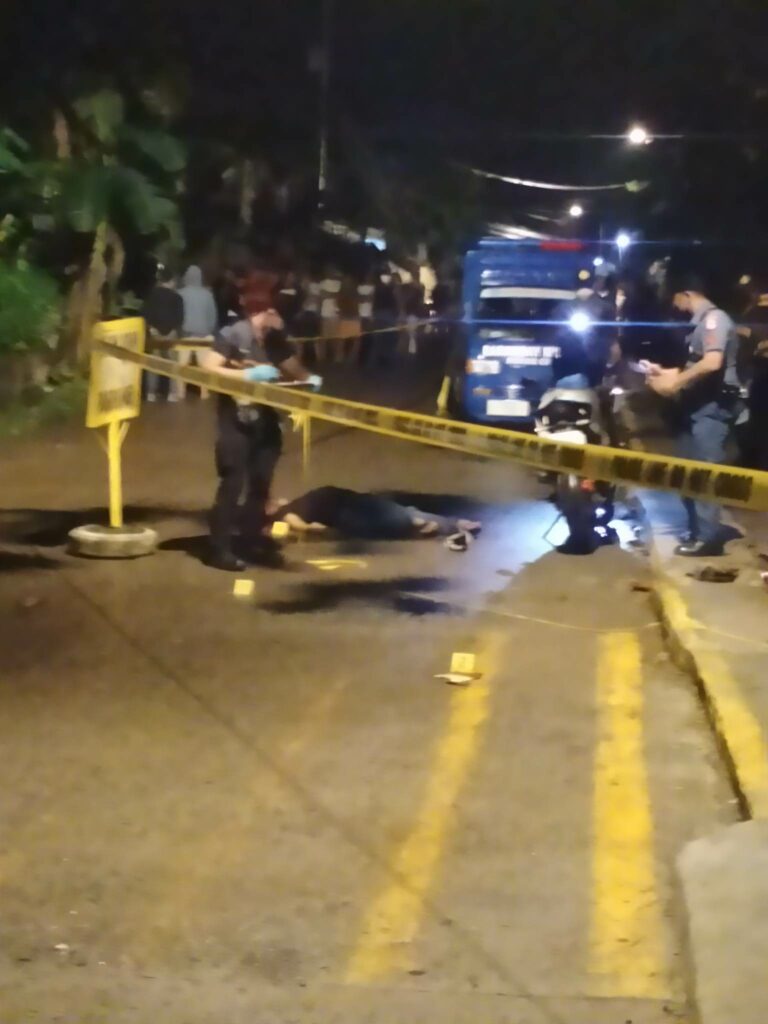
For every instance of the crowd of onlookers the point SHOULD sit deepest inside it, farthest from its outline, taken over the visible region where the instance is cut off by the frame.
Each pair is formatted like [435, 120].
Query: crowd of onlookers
[335, 316]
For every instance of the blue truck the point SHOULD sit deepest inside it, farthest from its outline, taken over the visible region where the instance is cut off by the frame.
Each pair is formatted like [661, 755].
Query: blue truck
[513, 294]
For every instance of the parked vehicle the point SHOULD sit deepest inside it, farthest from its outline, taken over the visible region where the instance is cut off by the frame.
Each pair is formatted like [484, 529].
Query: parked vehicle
[513, 292]
[571, 412]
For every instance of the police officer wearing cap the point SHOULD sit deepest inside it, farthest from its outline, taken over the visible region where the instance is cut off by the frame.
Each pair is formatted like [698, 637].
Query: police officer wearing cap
[709, 392]
[248, 435]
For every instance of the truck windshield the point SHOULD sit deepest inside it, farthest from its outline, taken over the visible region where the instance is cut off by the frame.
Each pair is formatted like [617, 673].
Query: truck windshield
[521, 305]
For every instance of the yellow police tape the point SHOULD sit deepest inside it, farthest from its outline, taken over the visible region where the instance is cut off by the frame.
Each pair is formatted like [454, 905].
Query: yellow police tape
[205, 343]
[725, 485]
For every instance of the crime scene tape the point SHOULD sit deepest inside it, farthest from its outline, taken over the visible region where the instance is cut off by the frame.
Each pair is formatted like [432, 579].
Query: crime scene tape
[160, 344]
[466, 322]
[721, 484]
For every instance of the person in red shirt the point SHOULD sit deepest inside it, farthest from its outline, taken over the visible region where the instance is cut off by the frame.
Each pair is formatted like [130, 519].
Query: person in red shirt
[258, 289]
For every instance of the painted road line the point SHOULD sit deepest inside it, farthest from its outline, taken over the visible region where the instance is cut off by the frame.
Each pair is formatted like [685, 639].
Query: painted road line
[736, 724]
[627, 948]
[740, 730]
[394, 917]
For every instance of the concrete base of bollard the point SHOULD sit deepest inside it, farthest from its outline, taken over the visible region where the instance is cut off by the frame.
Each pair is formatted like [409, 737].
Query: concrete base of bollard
[113, 542]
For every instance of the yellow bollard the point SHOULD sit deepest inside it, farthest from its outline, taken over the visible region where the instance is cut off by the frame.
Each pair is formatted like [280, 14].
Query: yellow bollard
[116, 431]
[442, 398]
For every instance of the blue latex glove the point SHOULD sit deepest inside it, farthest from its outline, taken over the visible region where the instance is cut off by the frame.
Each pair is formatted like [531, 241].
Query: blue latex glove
[315, 381]
[263, 373]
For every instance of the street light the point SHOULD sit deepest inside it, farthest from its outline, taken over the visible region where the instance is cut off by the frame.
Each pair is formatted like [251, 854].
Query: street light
[623, 241]
[638, 135]
[576, 210]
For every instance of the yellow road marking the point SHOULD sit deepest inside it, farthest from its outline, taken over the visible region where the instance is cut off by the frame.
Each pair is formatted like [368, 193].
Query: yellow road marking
[394, 918]
[331, 564]
[741, 731]
[627, 951]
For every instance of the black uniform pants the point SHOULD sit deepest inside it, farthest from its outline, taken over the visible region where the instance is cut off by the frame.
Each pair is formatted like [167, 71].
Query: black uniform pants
[245, 462]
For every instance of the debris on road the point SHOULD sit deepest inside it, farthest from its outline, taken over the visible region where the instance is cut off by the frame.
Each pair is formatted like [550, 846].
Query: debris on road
[244, 588]
[711, 574]
[459, 541]
[457, 678]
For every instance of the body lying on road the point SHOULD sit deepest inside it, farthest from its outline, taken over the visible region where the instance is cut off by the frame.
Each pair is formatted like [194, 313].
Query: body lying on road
[372, 516]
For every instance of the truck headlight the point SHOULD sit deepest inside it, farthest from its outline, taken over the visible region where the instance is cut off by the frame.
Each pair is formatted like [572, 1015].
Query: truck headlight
[579, 321]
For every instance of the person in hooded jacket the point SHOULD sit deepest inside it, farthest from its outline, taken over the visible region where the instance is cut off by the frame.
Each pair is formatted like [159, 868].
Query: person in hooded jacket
[200, 321]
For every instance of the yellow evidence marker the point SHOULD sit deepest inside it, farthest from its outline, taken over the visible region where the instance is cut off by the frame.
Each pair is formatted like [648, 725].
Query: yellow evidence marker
[463, 663]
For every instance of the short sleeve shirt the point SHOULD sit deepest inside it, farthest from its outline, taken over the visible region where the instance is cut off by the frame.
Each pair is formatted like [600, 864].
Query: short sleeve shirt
[329, 307]
[365, 300]
[713, 331]
[239, 345]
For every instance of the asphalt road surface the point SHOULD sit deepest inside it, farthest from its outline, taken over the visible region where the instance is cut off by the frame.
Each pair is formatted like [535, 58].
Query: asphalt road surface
[268, 810]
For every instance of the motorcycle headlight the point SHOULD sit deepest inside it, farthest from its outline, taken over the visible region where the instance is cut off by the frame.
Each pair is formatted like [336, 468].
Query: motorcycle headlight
[562, 412]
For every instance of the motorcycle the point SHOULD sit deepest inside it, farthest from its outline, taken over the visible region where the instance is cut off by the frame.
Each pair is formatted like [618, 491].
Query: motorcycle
[571, 412]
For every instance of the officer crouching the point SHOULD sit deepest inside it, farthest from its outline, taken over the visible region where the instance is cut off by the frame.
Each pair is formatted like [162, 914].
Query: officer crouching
[248, 437]
[709, 392]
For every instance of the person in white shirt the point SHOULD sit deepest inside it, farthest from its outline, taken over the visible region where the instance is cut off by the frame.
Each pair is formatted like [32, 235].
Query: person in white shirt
[329, 310]
[365, 292]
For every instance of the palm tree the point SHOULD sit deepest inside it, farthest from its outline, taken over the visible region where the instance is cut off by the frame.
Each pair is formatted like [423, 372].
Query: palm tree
[109, 176]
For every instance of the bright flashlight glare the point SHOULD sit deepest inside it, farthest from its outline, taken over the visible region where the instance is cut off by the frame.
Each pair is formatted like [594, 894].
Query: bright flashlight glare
[598, 261]
[576, 210]
[623, 241]
[579, 321]
[638, 136]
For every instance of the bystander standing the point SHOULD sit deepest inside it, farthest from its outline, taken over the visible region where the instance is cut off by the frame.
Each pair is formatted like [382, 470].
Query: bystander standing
[412, 296]
[248, 436]
[386, 317]
[708, 391]
[200, 321]
[365, 291]
[289, 301]
[348, 345]
[754, 332]
[163, 313]
[329, 311]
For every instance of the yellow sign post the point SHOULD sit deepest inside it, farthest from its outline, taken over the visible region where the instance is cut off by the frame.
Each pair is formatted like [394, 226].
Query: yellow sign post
[114, 398]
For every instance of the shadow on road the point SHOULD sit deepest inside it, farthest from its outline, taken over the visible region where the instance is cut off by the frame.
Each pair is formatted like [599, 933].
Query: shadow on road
[50, 527]
[196, 546]
[392, 594]
[22, 561]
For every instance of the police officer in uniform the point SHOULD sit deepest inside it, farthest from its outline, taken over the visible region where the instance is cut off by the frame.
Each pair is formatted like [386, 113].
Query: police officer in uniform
[709, 391]
[248, 435]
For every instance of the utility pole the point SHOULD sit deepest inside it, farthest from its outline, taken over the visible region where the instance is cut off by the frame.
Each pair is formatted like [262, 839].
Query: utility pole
[325, 89]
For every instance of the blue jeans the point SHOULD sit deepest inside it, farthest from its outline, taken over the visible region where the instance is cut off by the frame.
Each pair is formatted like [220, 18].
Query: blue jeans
[707, 442]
